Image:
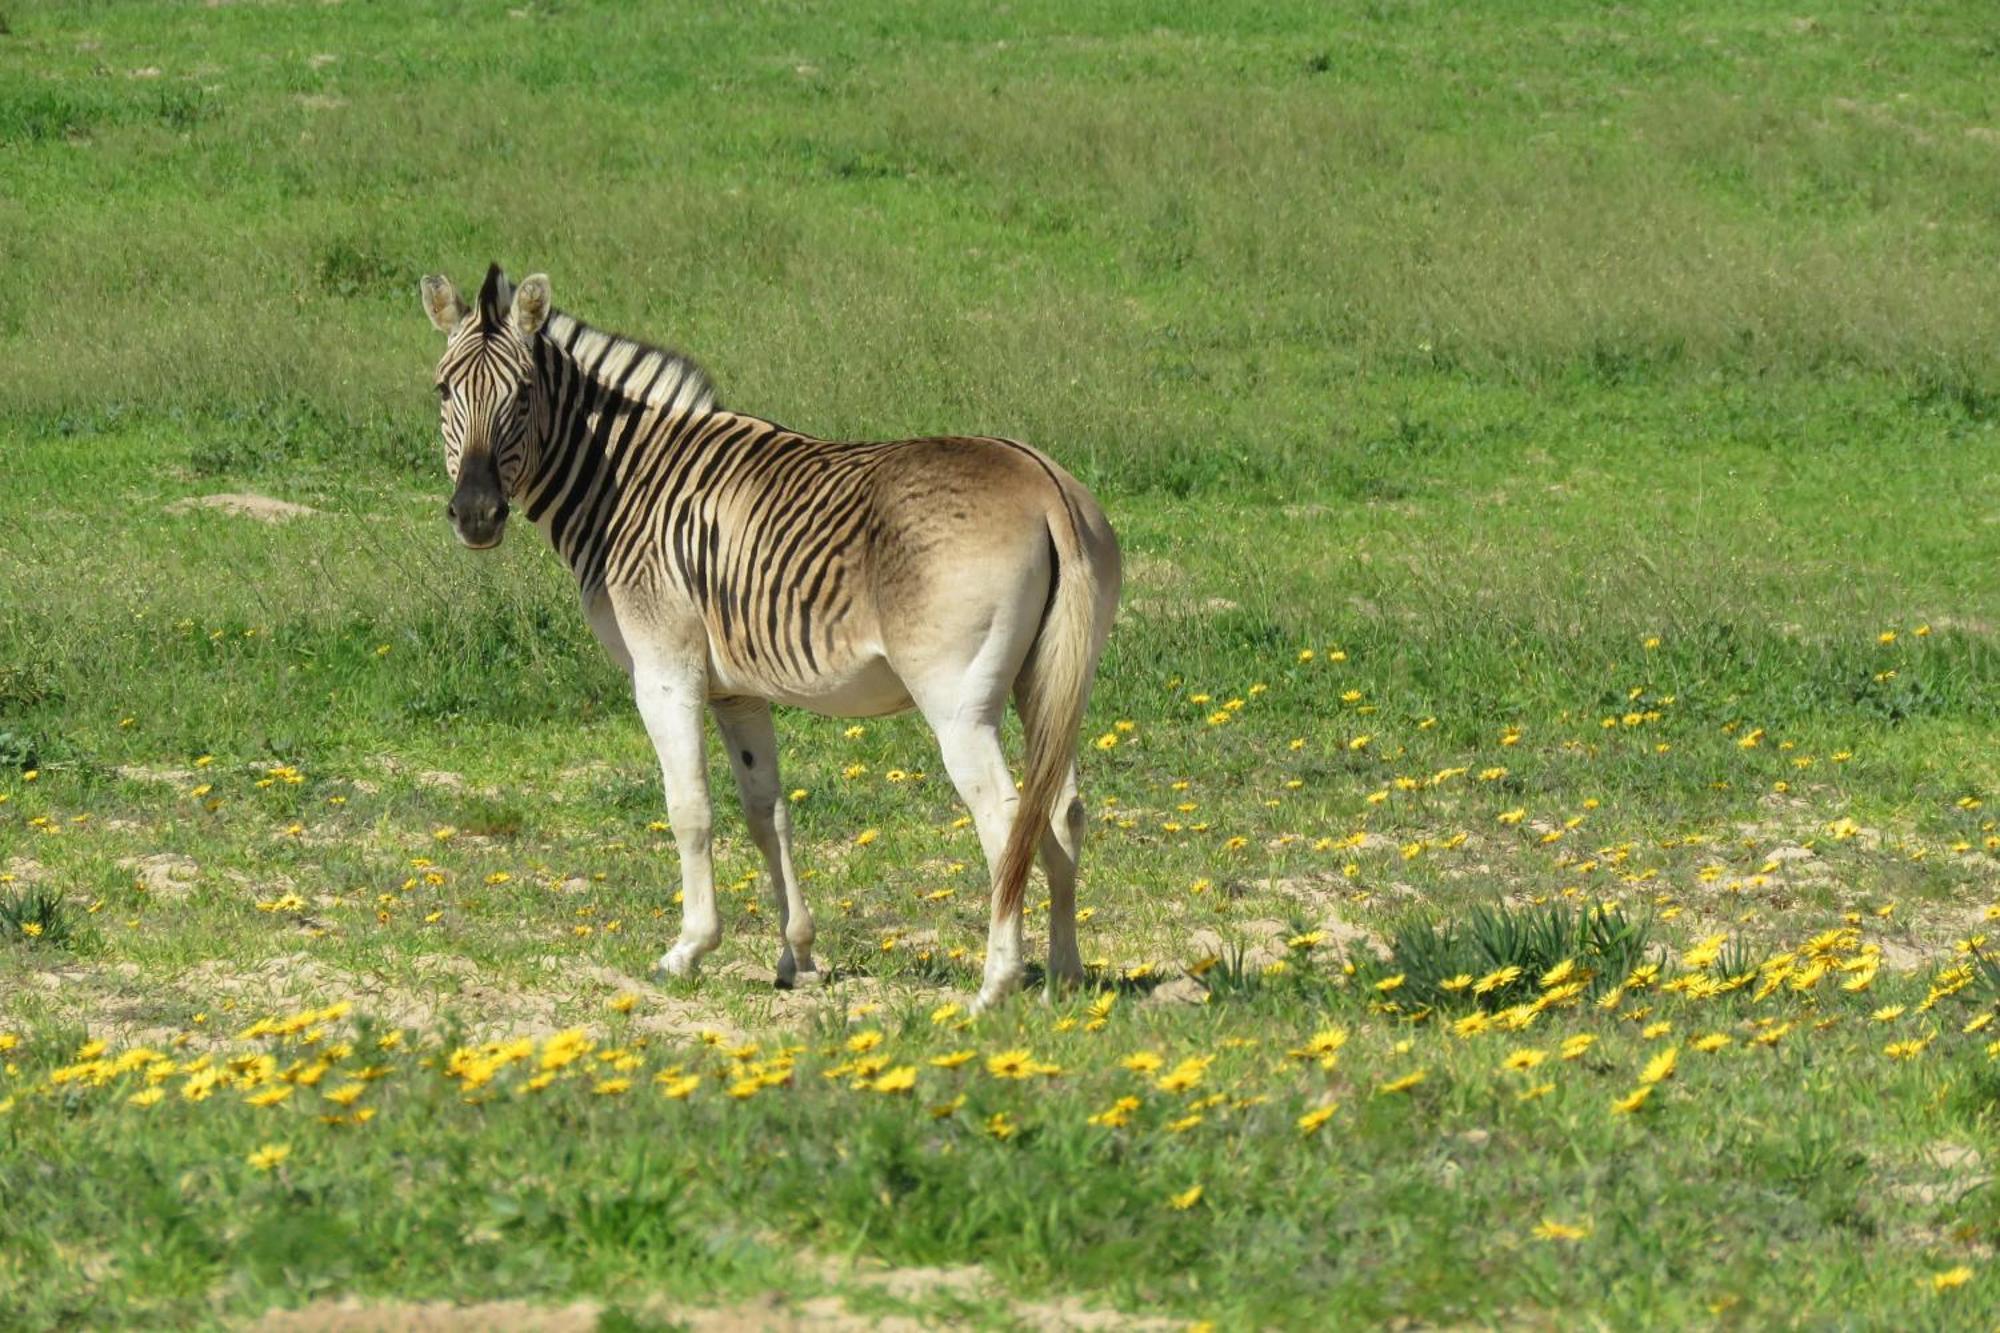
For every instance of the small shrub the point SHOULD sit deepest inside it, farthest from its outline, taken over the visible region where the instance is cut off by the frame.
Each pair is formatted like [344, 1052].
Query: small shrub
[1431, 954]
[37, 916]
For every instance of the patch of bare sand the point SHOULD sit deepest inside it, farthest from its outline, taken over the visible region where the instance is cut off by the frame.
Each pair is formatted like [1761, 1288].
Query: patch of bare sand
[150, 773]
[973, 1285]
[1950, 1170]
[967, 1285]
[167, 875]
[262, 508]
[112, 1000]
[1321, 899]
[298, 981]
[352, 1315]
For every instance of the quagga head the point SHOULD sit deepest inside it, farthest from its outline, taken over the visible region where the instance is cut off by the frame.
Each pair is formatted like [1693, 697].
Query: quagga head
[485, 388]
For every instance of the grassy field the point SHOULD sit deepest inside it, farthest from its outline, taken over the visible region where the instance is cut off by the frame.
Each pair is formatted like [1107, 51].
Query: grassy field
[1540, 870]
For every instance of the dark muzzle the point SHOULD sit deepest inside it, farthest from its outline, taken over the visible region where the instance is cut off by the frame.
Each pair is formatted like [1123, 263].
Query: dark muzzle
[478, 512]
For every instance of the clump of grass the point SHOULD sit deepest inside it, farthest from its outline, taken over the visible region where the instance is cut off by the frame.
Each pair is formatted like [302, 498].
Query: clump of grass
[37, 916]
[16, 751]
[1492, 957]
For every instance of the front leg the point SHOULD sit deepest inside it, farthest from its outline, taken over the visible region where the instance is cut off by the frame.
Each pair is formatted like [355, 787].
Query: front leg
[746, 730]
[671, 693]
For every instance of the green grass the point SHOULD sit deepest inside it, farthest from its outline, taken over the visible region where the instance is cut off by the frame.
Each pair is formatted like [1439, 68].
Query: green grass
[1603, 394]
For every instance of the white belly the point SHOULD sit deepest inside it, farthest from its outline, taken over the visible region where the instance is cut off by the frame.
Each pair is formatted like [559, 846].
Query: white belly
[870, 689]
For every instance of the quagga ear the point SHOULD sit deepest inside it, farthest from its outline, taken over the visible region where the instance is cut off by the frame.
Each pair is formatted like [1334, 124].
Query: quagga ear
[531, 305]
[441, 302]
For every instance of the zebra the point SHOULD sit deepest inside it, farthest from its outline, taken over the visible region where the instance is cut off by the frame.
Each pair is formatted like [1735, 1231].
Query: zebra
[728, 563]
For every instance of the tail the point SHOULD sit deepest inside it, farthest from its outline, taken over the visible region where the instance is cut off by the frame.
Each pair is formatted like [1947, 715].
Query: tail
[1056, 687]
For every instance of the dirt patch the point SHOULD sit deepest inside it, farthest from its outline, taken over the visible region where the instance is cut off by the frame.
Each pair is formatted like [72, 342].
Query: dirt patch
[244, 505]
[351, 1315]
[973, 1285]
[298, 981]
[1321, 900]
[770, 1313]
[1950, 1170]
[111, 1000]
[166, 875]
[149, 773]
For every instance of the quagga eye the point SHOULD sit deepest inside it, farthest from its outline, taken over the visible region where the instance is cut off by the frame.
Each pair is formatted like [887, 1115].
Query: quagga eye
[444, 393]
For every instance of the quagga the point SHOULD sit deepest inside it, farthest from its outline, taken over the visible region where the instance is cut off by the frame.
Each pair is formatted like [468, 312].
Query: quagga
[726, 562]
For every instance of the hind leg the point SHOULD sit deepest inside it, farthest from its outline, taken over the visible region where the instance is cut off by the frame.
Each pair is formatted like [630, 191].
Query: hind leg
[746, 729]
[1061, 845]
[978, 768]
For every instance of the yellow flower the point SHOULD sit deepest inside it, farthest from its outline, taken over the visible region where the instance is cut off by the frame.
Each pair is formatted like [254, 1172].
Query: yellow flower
[565, 1048]
[1951, 1277]
[1703, 955]
[269, 1156]
[621, 1004]
[866, 836]
[1142, 1062]
[1184, 1075]
[346, 1094]
[1387, 984]
[900, 1079]
[1000, 1126]
[677, 1088]
[1714, 1041]
[147, 1096]
[1117, 1115]
[269, 1096]
[1661, 1067]
[953, 1060]
[1310, 1122]
[866, 1040]
[1017, 1063]
[611, 1087]
[1906, 1050]
[1550, 1229]
[1524, 1058]
[1403, 1084]
[1186, 1199]
[1633, 1100]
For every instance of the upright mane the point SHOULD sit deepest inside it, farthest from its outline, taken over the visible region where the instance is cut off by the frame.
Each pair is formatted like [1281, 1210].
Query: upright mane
[650, 376]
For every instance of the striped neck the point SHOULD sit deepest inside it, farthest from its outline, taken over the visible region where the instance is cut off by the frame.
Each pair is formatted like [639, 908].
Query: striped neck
[600, 402]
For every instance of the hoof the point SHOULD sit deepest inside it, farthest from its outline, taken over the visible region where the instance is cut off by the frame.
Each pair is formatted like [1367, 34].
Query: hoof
[994, 993]
[812, 977]
[681, 961]
[1065, 977]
